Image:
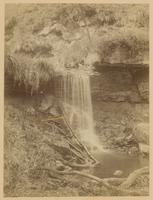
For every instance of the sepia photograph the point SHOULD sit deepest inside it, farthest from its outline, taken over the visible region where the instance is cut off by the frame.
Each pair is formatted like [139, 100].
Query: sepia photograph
[76, 100]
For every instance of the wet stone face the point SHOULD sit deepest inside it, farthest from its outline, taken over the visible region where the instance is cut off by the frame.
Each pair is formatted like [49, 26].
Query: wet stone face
[121, 113]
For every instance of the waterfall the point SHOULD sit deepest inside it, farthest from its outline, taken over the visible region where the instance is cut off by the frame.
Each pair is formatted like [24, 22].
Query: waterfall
[75, 92]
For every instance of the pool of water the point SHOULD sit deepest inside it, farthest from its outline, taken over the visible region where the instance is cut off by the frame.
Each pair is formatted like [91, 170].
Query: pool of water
[109, 162]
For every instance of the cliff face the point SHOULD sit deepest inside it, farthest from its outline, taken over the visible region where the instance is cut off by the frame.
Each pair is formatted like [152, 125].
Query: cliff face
[120, 105]
[121, 84]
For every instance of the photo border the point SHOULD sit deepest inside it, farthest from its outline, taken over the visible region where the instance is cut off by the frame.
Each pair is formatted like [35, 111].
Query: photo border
[2, 14]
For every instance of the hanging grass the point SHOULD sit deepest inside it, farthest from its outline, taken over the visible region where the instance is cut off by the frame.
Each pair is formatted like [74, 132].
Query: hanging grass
[29, 72]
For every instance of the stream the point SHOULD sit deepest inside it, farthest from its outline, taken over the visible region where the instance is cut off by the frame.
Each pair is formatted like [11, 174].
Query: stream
[110, 162]
[75, 93]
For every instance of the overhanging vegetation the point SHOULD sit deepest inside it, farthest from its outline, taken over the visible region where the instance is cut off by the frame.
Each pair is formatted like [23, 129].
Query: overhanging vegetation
[42, 40]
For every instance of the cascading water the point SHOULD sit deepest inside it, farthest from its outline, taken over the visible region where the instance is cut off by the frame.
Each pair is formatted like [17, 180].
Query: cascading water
[76, 94]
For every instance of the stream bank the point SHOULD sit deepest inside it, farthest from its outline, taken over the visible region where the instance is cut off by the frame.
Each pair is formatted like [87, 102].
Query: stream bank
[30, 144]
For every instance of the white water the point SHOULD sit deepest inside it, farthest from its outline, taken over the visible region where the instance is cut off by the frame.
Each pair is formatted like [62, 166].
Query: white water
[76, 93]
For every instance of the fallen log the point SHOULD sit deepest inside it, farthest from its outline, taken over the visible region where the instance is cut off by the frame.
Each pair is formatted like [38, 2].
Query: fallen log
[133, 176]
[104, 182]
[115, 181]
[75, 165]
[74, 172]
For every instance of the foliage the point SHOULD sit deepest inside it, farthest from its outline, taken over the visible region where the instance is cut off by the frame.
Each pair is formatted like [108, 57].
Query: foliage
[34, 47]
[9, 27]
[62, 36]
[131, 47]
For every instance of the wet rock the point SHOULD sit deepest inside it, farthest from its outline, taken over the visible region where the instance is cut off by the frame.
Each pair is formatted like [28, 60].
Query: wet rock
[128, 141]
[119, 140]
[141, 132]
[53, 111]
[129, 137]
[30, 110]
[114, 85]
[47, 102]
[144, 148]
[118, 173]
[142, 77]
[133, 151]
[59, 165]
[92, 58]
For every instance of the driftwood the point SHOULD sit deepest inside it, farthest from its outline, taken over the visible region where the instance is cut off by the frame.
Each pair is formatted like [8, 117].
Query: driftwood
[74, 147]
[74, 135]
[81, 150]
[133, 176]
[77, 154]
[75, 150]
[80, 155]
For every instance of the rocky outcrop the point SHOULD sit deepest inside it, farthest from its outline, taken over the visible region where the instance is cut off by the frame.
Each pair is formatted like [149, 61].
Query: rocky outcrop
[144, 148]
[141, 78]
[120, 105]
[119, 84]
[141, 132]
